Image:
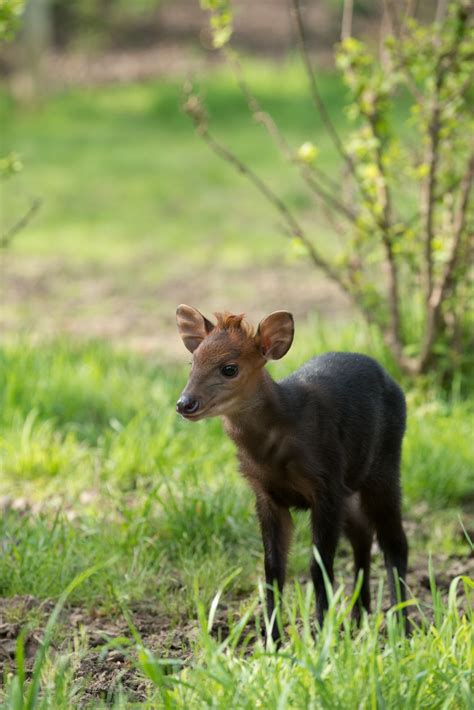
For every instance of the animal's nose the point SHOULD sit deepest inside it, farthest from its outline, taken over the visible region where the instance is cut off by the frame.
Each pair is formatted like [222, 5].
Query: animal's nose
[187, 404]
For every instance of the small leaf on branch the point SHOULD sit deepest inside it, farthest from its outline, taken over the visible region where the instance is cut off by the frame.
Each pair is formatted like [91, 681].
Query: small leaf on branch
[220, 21]
[307, 152]
[298, 247]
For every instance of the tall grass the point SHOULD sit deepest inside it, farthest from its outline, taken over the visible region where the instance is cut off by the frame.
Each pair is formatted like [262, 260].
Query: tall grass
[373, 666]
[91, 443]
[95, 464]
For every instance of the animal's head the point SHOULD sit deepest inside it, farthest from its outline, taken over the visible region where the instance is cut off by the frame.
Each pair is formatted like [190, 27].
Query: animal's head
[228, 358]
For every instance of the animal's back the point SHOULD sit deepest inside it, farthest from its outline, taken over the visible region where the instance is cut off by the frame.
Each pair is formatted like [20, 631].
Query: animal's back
[348, 401]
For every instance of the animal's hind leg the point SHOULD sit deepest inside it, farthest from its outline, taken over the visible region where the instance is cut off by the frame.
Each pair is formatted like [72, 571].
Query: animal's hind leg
[326, 523]
[360, 533]
[382, 502]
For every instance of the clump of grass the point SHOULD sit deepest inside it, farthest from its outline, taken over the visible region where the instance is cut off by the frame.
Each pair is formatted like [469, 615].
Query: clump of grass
[374, 665]
[134, 480]
[163, 498]
[24, 694]
[439, 457]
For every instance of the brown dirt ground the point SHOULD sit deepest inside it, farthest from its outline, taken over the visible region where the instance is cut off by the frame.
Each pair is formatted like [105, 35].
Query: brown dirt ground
[48, 297]
[101, 668]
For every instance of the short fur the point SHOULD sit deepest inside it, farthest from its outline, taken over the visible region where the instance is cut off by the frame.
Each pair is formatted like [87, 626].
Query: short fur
[327, 439]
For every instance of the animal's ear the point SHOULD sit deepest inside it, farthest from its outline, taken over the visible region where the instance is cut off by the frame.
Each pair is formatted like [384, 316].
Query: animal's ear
[275, 335]
[192, 326]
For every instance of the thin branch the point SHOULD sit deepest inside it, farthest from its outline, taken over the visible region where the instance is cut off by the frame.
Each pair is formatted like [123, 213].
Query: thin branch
[427, 197]
[276, 201]
[458, 229]
[8, 236]
[439, 293]
[347, 14]
[315, 179]
[441, 8]
[266, 120]
[453, 184]
[398, 28]
[316, 96]
[292, 227]
[194, 109]
[385, 227]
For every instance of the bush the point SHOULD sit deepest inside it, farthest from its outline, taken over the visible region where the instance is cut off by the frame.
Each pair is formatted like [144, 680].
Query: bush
[403, 210]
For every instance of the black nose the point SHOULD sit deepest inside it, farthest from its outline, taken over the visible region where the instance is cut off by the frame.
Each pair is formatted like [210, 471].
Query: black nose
[187, 405]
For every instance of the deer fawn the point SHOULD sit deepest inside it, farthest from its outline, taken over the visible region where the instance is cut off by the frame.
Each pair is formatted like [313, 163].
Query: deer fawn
[327, 438]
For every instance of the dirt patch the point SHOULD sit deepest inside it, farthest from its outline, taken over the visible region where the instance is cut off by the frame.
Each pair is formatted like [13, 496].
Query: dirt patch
[48, 297]
[103, 665]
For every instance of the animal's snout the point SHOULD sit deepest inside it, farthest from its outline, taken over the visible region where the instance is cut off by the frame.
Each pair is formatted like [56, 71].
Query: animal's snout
[187, 405]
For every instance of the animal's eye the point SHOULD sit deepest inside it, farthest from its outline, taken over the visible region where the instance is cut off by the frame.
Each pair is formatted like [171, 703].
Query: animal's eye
[229, 370]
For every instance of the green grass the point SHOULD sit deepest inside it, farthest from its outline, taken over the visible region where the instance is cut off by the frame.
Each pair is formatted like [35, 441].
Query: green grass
[431, 669]
[96, 432]
[98, 473]
[142, 181]
[90, 437]
[125, 180]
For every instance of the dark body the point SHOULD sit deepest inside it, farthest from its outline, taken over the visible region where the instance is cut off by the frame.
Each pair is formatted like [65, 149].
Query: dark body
[327, 438]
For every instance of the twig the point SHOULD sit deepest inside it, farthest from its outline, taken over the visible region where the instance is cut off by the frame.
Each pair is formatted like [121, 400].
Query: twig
[347, 13]
[441, 8]
[292, 227]
[397, 31]
[274, 132]
[195, 110]
[439, 292]
[385, 225]
[8, 236]
[427, 198]
[316, 96]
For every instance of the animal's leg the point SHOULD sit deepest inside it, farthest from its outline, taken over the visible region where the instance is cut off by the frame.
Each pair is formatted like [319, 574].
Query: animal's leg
[326, 518]
[360, 533]
[383, 506]
[276, 526]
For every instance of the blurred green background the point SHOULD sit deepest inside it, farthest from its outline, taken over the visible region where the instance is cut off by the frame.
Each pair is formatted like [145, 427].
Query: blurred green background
[137, 216]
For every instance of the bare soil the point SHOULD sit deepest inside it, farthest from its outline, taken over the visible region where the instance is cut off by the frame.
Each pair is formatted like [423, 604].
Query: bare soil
[102, 667]
[49, 297]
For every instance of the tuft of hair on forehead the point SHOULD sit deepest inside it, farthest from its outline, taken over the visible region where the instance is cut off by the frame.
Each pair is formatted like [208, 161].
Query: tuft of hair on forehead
[228, 321]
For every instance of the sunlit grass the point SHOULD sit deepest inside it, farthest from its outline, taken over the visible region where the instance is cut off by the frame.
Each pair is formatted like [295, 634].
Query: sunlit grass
[342, 666]
[99, 467]
[98, 472]
[125, 181]
[95, 432]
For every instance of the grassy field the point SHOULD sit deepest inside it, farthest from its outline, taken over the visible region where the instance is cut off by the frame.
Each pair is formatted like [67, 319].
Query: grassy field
[140, 517]
[98, 470]
[122, 172]
[137, 214]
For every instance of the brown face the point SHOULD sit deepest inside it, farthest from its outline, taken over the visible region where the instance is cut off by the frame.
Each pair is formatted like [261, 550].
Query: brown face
[227, 359]
[224, 368]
